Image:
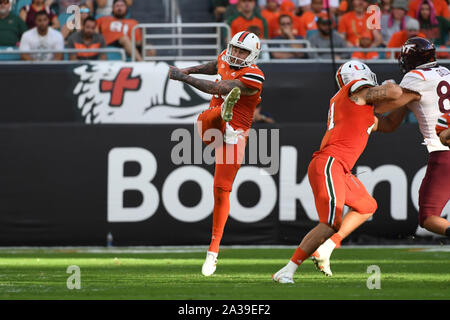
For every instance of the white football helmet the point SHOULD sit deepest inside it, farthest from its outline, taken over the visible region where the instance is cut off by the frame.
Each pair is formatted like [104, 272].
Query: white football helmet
[247, 41]
[353, 70]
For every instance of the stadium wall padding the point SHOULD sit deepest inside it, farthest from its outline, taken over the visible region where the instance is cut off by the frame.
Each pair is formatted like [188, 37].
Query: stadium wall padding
[70, 184]
[116, 92]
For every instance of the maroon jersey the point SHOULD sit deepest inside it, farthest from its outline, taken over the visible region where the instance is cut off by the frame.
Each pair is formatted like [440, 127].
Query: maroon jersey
[31, 15]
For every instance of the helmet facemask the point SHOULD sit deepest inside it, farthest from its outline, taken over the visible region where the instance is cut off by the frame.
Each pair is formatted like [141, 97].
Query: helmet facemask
[246, 41]
[236, 61]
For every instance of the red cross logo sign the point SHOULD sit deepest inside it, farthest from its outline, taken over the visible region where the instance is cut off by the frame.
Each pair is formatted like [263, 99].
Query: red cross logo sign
[122, 83]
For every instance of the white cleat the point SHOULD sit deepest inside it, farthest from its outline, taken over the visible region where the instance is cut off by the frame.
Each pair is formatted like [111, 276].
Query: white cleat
[227, 106]
[209, 266]
[283, 276]
[323, 265]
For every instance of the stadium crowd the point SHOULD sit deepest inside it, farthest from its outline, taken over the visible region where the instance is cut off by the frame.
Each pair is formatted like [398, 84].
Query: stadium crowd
[346, 21]
[42, 24]
[47, 25]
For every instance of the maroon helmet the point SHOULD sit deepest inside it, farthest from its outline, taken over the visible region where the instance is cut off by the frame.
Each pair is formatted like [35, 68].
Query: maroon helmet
[417, 52]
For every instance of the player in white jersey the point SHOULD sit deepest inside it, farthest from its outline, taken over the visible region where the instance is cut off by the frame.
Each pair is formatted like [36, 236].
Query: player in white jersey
[426, 92]
[427, 95]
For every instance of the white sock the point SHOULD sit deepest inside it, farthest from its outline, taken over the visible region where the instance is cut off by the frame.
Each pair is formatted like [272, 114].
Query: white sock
[326, 249]
[291, 267]
[215, 254]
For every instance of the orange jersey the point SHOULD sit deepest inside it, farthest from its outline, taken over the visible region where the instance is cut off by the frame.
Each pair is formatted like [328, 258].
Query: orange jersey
[269, 15]
[443, 123]
[308, 22]
[113, 29]
[365, 55]
[240, 23]
[398, 39]
[353, 27]
[252, 77]
[349, 126]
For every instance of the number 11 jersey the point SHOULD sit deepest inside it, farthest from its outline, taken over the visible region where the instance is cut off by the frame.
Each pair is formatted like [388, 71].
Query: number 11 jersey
[349, 126]
[433, 84]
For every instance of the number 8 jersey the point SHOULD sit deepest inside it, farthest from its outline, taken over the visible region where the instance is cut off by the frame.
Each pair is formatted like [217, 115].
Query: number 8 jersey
[433, 84]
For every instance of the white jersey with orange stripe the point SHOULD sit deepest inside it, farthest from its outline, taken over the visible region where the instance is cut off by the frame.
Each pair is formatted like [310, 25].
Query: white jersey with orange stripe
[433, 84]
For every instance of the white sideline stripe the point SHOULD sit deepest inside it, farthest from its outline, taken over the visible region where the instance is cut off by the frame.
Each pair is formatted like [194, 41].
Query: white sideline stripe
[184, 249]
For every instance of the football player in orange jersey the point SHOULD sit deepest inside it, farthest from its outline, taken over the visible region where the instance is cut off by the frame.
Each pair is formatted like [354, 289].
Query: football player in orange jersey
[425, 87]
[236, 93]
[350, 121]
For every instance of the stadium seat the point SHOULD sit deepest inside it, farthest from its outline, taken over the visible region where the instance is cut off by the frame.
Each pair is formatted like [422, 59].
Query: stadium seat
[310, 33]
[9, 56]
[19, 4]
[63, 17]
[381, 55]
[113, 55]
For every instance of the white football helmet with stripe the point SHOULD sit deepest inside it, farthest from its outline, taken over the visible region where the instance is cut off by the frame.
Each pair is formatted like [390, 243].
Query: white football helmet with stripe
[353, 70]
[247, 41]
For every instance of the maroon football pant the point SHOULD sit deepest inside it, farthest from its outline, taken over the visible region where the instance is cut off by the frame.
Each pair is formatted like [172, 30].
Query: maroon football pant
[434, 192]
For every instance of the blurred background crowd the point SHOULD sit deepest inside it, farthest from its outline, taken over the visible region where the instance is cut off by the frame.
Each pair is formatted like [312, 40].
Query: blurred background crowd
[348, 22]
[49, 24]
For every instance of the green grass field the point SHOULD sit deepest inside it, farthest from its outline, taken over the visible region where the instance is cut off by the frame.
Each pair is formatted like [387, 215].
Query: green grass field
[241, 274]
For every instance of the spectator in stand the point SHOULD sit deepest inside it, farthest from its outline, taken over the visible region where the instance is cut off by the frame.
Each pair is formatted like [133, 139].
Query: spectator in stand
[85, 12]
[105, 7]
[63, 5]
[434, 27]
[219, 7]
[246, 18]
[365, 42]
[271, 10]
[399, 38]
[286, 7]
[28, 13]
[440, 6]
[11, 26]
[235, 8]
[321, 39]
[42, 37]
[308, 19]
[385, 6]
[307, 5]
[287, 33]
[395, 21]
[354, 23]
[87, 38]
[116, 30]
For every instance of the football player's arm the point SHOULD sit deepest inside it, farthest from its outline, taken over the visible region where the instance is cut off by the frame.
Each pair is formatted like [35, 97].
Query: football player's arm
[375, 95]
[390, 122]
[406, 97]
[207, 68]
[445, 137]
[212, 87]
